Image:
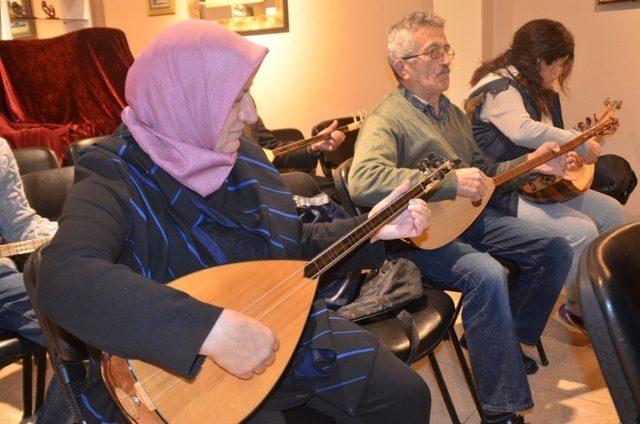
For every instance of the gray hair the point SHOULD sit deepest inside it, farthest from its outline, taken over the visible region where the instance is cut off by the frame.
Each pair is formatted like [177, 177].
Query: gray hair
[400, 35]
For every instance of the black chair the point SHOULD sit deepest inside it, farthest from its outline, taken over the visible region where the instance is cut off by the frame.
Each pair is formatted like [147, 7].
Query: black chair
[610, 302]
[433, 317]
[287, 134]
[330, 160]
[46, 190]
[32, 159]
[301, 183]
[68, 354]
[71, 156]
[14, 348]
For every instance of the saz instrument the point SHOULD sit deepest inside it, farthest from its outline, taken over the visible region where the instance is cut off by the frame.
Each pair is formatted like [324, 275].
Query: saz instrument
[552, 189]
[22, 247]
[358, 118]
[449, 218]
[278, 293]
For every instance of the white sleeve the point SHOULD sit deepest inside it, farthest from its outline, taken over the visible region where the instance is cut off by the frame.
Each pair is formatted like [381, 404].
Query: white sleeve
[506, 111]
[18, 221]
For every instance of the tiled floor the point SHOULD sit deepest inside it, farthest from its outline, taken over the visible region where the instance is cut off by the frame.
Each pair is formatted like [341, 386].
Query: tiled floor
[570, 390]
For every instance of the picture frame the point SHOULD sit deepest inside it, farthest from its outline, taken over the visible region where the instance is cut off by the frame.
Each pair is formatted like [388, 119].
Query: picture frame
[21, 28]
[248, 17]
[614, 1]
[160, 7]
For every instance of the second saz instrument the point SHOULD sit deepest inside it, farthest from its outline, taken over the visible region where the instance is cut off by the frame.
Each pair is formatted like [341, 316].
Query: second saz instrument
[450, 218]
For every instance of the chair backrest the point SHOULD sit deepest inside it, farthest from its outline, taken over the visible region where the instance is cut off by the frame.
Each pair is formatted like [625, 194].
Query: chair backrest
[37, 158]
[331, 160]
[76, 146]
[301, 183]
[340, 179]
[610, 302]
[288, 134]
[68, 354]
[47, 190]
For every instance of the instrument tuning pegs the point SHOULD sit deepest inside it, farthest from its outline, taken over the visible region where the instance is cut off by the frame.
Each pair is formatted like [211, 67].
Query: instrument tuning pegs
[588, 121]
[359, 115]
[423, 166]
[431, 162]
[581, 126]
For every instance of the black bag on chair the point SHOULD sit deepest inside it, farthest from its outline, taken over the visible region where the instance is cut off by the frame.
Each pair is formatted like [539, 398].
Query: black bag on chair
[614, 176]
[385, 291]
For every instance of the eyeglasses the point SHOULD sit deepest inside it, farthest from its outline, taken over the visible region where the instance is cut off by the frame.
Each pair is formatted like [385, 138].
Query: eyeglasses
[435, 53]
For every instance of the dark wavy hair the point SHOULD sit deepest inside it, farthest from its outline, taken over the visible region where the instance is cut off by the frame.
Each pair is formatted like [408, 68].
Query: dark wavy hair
[536, 41]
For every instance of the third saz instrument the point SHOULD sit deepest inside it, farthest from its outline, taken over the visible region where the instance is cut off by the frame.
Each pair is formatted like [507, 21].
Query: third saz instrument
[552, 189]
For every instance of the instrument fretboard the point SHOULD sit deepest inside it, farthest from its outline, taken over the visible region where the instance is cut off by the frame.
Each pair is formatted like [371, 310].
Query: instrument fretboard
[364, 231]
[527, 166]
[297, 145]
[22, 247]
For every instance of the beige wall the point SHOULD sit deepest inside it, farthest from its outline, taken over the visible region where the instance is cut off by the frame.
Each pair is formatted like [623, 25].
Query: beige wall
[131, 17]
[329, 64]
[463, 28]
[606, 65]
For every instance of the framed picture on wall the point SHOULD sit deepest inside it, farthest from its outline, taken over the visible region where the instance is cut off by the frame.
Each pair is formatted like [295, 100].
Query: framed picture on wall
[248, 17]
[21, 26]
[160, 7]
[613, 1]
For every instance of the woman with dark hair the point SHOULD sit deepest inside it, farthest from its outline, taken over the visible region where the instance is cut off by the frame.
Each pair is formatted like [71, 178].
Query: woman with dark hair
[177, 189]
[514, 109]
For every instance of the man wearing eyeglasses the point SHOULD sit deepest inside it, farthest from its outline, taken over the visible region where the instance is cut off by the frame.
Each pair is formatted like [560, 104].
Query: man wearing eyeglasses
[416, 120]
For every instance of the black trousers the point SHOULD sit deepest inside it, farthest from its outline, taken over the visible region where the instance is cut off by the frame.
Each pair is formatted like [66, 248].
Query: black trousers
[394, 393]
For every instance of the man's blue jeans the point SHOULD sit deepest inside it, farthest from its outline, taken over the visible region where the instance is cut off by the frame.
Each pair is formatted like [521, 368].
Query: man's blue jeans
[16, 313]
[496, 317]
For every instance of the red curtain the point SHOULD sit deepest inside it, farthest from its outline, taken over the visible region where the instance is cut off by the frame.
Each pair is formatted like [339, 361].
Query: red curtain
[58, 90]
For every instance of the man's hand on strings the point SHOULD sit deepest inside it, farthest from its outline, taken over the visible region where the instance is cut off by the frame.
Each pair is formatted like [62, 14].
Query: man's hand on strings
[472, 183]
[410, 223]
[337, 137]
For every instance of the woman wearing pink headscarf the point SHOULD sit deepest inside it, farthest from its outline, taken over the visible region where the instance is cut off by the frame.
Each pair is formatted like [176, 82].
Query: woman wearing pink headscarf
[177, 189]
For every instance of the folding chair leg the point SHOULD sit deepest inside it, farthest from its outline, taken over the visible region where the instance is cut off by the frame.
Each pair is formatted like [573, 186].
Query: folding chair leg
[443, 388]
[543, 355]
[453, 337]
[41, 373]
[27, 376]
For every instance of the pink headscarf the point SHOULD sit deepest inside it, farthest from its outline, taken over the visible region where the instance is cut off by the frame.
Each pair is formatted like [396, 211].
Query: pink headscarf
[180, 91]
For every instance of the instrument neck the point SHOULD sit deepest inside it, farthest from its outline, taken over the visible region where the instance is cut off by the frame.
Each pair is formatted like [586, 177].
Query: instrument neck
[347, 243]
[296, 145]
[22, 247]
[527, 166]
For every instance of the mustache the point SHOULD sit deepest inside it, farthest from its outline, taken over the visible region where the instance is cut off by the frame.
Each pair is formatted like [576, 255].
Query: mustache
[445, 70]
